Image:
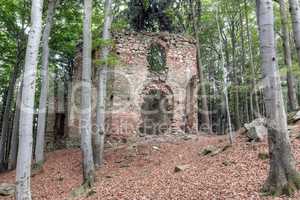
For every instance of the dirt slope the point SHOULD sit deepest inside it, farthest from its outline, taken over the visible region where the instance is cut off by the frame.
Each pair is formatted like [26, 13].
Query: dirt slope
[145, 171]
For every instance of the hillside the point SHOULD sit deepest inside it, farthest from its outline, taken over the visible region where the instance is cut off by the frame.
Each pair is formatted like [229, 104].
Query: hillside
[145, 170]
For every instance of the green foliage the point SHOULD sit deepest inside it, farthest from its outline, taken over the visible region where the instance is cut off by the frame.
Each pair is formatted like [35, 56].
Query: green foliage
[150, 15]
[157, 58]
[99, 43]
[13, 20]
[119, 25]
[111, 60]
[295, 70]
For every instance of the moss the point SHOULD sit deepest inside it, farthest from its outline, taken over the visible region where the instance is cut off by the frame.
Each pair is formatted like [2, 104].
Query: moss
[288, 189]
[295, 178]
[84, 190]
[37, 168]
[267, 190]
[89, 180]
[79, 192]
[263, 156]
[37, 165]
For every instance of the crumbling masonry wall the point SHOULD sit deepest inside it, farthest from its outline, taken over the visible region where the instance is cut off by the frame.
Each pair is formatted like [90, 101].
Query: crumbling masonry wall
[131, 79]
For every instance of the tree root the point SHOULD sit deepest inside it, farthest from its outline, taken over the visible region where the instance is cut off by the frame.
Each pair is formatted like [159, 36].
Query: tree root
[288, 189]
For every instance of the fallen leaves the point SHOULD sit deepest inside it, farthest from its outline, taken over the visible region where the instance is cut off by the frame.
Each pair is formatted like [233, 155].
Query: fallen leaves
[235, 173]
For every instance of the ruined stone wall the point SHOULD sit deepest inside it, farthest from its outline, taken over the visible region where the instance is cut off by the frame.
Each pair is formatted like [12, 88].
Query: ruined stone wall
[131, 77]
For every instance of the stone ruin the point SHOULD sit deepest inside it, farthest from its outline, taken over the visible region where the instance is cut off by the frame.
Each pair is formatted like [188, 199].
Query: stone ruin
[151, 90]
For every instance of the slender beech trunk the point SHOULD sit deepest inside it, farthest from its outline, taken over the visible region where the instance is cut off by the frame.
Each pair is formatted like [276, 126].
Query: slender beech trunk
[8, 104]
[295, 14]
[3, 97]
[283, 177]
[235, 74]
[20, 39]
[255, 112]
[102, 81]
[40, 138]
[86, 98]
[7, 116]
[225, 90]
[12, 160]
[203, 96]
[293, 102]
[243, 66]
[27, 105]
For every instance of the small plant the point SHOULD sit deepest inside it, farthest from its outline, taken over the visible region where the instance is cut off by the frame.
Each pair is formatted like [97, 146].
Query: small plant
[263, 155]
[157, 58]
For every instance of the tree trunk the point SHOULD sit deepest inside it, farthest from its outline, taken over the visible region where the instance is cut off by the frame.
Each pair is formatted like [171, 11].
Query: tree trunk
[204, 111]
[12, 160]
[243, 66]
[7, 109]
[7, 117]
[86, 98]
[225, 90]
[256, 112]
[27, 105]
[295, 14]
[293, 102]
[235, 74]
[40, 138]
[283, 177]
[3, 97]
[102, 81]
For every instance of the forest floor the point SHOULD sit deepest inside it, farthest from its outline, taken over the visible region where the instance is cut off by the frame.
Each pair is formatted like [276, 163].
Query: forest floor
[145, 170]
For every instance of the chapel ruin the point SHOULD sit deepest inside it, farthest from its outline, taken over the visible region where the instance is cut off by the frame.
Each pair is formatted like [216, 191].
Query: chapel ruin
[151, 90]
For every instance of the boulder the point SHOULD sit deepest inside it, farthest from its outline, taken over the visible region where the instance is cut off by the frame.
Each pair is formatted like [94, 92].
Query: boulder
[256, 122]
[296, 117]
[7, 189]
[256, 130]
[241, 131]
[290, 117]
[257, 133]
[208, 150]
[212, 150]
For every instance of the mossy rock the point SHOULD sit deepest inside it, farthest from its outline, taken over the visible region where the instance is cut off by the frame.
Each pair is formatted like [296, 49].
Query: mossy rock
[7, 189]
[208, 150]
[228, 163]
[290, 117]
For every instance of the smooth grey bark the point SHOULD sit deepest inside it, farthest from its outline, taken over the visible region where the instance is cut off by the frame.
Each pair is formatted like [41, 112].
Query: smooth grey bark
[86, 98]
[27, 105]
[256, 112]
[283, 177]
[293, 102]
[243, 66]
[203, 96]
[40, 138]
[102, 81]
[225, 90]
[12, 160]
[295, 15]
[237, 118]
